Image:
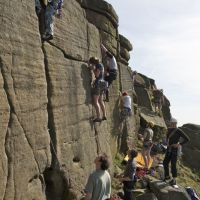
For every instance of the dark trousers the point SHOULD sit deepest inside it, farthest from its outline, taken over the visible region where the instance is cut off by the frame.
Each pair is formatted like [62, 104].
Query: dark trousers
[170, 156]
[128, 195]
[128, 187]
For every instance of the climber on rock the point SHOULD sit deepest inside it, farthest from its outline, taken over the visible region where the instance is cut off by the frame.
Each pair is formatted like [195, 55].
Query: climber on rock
[175, 139]
[147, 138]
[133, 76]
[98, 88]
[111, 68]
[52, 7]
[98, 186]
[126, 106]
[158, 99]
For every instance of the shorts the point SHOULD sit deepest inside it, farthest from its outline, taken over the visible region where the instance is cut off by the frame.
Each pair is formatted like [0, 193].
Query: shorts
[147, 145]
[126, 112]
[99, 87]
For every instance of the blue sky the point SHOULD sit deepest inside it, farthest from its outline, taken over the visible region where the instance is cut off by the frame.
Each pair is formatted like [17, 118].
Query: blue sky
[166, 47]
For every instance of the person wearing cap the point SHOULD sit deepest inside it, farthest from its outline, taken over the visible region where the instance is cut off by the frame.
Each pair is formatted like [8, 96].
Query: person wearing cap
[147, 143]
[128, 177]
[98, 186]
[175, 139]
[98, 88]
[111, 68]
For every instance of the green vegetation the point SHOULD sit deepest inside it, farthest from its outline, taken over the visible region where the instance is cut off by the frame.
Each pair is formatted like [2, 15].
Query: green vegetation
[187, 177]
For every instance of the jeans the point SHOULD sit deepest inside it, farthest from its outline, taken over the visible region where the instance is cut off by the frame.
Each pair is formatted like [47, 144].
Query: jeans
[170, 156]
[49, 14]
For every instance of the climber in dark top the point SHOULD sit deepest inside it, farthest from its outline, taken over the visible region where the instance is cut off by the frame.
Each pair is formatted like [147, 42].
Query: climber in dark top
[98, 88]
[175, 139]
[111, 68]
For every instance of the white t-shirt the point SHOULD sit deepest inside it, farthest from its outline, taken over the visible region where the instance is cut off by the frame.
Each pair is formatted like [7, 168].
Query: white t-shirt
[126, 101]
[112, 63]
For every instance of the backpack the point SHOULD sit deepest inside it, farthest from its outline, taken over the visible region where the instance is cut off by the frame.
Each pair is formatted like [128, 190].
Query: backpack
[192, 193]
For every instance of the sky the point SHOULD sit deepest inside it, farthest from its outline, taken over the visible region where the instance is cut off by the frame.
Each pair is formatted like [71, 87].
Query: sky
[166, 47]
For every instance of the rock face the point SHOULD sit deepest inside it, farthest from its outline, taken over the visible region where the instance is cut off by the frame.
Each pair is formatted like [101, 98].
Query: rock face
[191, 150]
[48, 142]
[165, 192]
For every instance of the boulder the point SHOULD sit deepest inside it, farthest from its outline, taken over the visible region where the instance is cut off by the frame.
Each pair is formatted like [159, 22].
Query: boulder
[147, 196]
[163, 191]
[191, 150]
[103, 7]
[125, 43]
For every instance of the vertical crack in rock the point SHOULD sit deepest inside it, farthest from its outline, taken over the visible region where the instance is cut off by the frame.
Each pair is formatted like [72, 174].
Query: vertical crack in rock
[88, 42]
[97, 139]
[118, 59]
[51, 123]
[12, 112]
[6, 136]
[57, 184]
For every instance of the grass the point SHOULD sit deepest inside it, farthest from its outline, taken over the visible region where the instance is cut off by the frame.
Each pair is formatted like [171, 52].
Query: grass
[187, 178]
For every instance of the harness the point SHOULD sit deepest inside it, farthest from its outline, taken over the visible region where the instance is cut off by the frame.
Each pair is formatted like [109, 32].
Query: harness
[126, 112]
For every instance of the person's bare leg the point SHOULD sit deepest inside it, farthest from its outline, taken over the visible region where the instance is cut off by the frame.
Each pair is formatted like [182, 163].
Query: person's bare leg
[96, 105]
[102, 105]
[145, 158]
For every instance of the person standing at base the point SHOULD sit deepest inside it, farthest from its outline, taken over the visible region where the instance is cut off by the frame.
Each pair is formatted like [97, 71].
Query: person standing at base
[128, 177]
[98, 186]
[175, 139]
[147, 143]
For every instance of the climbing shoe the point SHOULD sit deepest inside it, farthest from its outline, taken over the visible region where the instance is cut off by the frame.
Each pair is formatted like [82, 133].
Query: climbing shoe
[172, 182]
[167, 178]
[47, 37]
[104, 118]
[97, 120]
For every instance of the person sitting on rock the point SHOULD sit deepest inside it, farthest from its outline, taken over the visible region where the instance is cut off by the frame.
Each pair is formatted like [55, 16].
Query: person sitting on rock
[126, 104]
[147, 143]
[111, 68]
[128, 177]
[98, 186]
[50, 11]
[98, 88]
[175, 138]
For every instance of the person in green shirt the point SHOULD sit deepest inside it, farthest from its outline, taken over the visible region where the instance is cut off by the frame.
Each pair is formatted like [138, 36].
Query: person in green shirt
[98, 186]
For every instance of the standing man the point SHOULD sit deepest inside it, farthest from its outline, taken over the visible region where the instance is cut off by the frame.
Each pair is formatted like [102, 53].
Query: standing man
[98, 186]
[175, 139]
[147, 143]
[128, 177]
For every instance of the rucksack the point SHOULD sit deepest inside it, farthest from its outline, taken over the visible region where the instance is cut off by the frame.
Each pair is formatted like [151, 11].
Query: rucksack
[192, 193]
